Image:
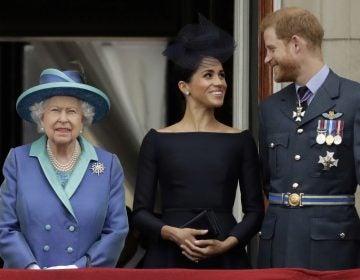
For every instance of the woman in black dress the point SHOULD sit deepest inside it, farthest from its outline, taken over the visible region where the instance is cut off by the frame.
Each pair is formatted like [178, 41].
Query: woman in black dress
[198, 163]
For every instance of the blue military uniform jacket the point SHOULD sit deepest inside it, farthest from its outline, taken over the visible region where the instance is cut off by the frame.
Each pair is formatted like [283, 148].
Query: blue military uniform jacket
[316, 237]
[42, 222]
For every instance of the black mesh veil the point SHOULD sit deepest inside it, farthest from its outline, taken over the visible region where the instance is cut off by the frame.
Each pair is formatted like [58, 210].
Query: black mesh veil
[196, 41]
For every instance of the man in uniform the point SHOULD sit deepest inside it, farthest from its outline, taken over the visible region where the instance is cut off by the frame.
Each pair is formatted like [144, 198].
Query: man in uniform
[310, 151]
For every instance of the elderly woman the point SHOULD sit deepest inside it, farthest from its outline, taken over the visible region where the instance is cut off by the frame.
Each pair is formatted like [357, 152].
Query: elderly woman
[62, 201]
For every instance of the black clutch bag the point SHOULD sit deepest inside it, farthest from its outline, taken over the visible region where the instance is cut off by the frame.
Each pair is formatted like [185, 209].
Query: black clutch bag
[206, 219]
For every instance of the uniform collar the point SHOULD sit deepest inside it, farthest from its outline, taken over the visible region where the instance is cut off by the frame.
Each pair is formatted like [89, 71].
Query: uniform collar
[317, 80]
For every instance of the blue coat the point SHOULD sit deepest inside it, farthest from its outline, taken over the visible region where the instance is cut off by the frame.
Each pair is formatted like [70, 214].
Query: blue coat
[315, 237]
[42, 222]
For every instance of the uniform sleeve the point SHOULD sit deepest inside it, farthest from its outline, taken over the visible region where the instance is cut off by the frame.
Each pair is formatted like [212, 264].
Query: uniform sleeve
[106, 251]
[264, 157]
[357, 144]
[14, 249]
[145, 190]
[251, 194]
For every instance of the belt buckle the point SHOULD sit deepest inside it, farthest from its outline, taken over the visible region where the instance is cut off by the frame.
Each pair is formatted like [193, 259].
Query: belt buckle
[294, 199]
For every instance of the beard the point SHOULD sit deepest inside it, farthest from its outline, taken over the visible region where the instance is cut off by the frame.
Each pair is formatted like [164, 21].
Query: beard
[286, 70]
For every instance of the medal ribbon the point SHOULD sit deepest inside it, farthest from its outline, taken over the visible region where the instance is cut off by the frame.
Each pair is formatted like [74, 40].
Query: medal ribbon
[331, 127]
[321, 125]
[339, 127]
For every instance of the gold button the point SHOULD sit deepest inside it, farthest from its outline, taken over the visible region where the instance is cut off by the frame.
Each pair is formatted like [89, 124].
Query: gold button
[300, 130]
[295, 185]
[297, 157]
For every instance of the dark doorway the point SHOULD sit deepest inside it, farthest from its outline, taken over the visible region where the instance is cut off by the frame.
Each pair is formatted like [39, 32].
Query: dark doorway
[92, 18]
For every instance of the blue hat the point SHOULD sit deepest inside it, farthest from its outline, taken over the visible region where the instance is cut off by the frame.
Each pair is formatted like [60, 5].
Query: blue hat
[54, 82]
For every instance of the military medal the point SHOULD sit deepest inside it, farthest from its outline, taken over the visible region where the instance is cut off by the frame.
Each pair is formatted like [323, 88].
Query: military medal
[339, 131]
[320, 138]
[303, 95]
[299, 113]
[321, 132]
[337, 140]
[328, 161]
[329, 140]
[330, 128]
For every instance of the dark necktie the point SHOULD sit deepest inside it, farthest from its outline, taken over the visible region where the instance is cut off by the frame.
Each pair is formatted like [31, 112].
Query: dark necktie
[304, 95]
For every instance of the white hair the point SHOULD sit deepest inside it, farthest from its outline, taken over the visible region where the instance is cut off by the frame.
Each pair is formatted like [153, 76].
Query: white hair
[37, 111]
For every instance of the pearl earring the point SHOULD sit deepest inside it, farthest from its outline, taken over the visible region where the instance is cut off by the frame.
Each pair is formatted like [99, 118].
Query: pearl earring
[187, 93]
[41, 129]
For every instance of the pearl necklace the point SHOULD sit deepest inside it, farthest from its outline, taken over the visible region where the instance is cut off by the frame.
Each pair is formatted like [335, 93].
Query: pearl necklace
[64, 167]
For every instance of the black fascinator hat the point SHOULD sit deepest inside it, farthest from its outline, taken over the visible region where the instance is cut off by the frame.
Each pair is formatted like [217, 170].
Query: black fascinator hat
[196, 41]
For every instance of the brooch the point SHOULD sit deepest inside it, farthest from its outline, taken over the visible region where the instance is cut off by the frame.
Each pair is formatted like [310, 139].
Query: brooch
[328, 161]
[97, 168]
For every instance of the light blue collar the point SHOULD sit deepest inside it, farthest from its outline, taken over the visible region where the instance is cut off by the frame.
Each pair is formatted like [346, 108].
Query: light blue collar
[316, 81]
[88, 153]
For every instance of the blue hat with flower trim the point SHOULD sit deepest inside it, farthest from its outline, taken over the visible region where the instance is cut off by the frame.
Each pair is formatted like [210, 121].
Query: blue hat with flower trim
[54, 82]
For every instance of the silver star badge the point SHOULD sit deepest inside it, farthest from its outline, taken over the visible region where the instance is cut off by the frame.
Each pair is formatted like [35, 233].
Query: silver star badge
[328, 161]
[97, 168]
